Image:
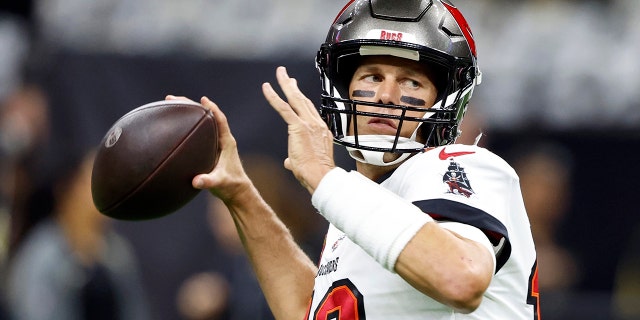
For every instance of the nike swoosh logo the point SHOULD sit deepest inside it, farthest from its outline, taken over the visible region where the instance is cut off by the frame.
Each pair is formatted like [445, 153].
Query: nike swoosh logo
[446, 155]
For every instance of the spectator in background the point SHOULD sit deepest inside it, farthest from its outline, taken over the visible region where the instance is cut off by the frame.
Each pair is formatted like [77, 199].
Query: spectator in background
[24, 127]
[69, 264]
[17, 133]
[545, 170]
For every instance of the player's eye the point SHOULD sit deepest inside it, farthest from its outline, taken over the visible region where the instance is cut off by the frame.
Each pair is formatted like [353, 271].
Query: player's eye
[411, 83]
[372, 78]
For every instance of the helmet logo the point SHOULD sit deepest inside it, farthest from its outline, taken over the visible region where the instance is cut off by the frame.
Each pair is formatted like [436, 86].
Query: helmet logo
[464, 26]
[388, 35]
[382, 34]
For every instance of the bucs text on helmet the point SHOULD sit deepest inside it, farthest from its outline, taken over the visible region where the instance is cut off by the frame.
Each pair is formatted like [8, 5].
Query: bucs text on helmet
[433, 32]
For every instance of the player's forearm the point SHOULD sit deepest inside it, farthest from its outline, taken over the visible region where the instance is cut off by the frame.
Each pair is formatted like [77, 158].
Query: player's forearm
[451, 269]
[284, 271]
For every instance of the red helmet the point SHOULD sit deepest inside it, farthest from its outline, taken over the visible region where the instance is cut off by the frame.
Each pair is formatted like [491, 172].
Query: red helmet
[430, 31]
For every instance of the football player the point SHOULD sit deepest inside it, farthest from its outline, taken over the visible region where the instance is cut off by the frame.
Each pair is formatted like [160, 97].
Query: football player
[423, 228]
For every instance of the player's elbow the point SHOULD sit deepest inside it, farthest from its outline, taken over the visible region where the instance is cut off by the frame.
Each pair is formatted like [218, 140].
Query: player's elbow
[465, 293]
[465, 302]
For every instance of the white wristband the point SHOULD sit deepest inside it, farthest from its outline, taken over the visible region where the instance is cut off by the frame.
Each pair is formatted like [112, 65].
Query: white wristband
[376, 219]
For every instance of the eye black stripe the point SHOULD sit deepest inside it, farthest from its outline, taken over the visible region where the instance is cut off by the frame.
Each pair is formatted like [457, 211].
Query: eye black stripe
[413, 101]
[363, 93]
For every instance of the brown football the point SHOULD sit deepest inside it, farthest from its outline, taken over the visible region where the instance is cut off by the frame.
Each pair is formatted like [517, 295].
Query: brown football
[145, 163]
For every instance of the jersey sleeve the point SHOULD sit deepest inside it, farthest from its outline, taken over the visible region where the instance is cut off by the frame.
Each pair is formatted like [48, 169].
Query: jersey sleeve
[464, 184]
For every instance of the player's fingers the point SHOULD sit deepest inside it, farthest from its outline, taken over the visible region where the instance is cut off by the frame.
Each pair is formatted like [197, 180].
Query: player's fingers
[202, 181]
[287, 164]
[281, 106]
[298, 101]
[205, 181]
[227, 147]
[221, 120]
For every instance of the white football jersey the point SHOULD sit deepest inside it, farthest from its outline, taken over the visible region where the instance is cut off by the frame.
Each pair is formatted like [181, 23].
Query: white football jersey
[466, 188]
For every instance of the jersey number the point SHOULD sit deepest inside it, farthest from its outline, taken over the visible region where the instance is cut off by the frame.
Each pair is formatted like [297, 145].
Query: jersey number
[343, 301]
[533, 296]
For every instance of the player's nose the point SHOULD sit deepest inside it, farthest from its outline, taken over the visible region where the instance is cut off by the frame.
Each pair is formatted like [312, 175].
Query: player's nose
[389, 93]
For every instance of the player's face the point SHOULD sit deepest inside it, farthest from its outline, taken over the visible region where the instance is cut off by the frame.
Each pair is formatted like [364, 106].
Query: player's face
[391, 80]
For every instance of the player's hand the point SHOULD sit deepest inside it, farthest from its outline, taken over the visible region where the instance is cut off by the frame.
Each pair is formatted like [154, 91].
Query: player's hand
[310, 141]
[228, 179]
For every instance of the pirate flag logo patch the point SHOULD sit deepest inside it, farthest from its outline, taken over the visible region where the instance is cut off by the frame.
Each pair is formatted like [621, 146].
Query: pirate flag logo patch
[456, 180]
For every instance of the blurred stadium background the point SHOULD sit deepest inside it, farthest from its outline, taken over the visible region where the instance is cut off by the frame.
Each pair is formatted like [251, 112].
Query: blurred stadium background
[562, 73]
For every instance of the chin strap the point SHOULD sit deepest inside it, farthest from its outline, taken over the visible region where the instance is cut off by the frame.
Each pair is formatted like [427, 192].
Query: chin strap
[382, 141]
[374, 157]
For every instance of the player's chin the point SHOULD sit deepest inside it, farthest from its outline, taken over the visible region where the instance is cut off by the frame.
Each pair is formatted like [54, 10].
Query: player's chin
[390, 156]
